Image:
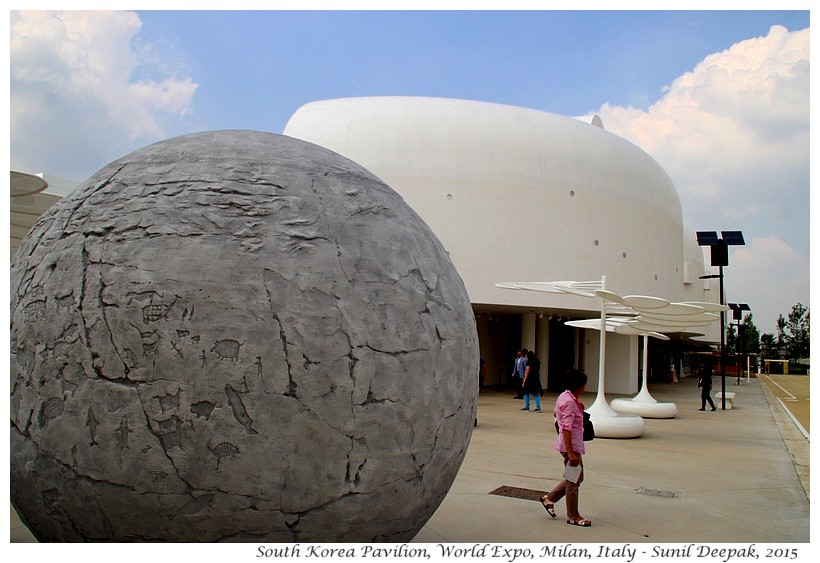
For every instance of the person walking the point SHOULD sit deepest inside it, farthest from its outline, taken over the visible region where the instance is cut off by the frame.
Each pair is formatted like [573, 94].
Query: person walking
[705, 384]
[569, 416]
[531, 385]
[519, 368]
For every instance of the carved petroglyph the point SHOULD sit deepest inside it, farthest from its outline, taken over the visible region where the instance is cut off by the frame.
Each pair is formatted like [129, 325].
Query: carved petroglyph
[35, 311]
[168, 431]
[154, 306]
[238, 409]
[130, 358]
[189, 313]
[224, 449]
[169, 402]
[202, 409]
[122, 434]
[196, 505]
[150, 342]
[177, 352]
[91, 423]
[158, 478]
[227, 349]
[51, 409]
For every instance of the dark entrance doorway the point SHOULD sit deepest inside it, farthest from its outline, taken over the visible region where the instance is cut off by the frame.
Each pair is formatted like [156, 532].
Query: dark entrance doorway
[561, 354]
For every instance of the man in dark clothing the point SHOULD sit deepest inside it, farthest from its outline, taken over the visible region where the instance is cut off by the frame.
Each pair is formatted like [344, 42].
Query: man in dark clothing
[705, 384]
[519, 368]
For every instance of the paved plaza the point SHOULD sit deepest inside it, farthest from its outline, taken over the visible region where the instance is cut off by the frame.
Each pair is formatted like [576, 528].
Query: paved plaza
[737, 476]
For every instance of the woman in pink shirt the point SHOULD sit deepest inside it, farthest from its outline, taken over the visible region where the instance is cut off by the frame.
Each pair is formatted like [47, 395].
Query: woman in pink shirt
[569, 416]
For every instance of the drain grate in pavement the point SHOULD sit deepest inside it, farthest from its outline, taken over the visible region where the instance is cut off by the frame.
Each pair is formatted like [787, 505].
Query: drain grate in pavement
[656, 493]
[516, 492]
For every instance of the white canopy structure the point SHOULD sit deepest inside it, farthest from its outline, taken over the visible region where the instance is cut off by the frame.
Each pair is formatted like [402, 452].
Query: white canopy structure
[662, 316]
[642, 404]
[634, 315]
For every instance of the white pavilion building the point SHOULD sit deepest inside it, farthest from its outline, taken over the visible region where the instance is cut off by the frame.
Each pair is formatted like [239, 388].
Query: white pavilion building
[523, 195]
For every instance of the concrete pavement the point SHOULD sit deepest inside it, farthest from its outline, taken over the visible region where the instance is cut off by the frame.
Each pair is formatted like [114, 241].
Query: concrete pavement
[794, 393]
[737, 476]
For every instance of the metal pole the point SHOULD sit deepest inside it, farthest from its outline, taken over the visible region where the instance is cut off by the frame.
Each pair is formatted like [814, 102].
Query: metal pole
[743, 353]
[738, 354]
[722, 341]
[602, 346]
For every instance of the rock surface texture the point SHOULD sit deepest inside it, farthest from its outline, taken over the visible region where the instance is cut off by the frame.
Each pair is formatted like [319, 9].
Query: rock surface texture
[236, 336]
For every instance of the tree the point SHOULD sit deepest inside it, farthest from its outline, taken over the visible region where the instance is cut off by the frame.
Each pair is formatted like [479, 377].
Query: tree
[732, 345]
[768, 346]
[748, 341]
[793, 334]
[745, 340]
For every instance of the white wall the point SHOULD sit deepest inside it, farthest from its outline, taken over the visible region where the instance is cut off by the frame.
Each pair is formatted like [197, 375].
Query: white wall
[622, 362]
[542, 346]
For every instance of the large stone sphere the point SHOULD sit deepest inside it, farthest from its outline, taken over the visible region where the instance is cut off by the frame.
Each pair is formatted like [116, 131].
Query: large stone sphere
[236, 336]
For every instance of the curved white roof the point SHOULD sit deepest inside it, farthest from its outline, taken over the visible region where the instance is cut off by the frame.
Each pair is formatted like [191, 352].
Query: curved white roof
[516, 193]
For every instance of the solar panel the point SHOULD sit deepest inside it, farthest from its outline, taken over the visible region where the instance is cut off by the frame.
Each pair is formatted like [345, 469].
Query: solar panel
[707, 238]
[737, 310]
[733, 237]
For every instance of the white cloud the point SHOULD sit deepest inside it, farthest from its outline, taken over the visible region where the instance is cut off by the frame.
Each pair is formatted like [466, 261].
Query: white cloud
[770, 276]
[739, 113]
[733, 134]
[72, 85]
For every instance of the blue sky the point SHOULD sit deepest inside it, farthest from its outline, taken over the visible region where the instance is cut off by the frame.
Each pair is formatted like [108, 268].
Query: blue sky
[255, 69]
[719, 98]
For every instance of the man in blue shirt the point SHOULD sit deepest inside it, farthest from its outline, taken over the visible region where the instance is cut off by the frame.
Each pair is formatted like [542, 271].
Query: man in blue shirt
[519, 370]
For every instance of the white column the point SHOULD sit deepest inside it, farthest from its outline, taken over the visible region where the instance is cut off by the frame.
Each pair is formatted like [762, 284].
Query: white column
[542, 346]
[528, 331]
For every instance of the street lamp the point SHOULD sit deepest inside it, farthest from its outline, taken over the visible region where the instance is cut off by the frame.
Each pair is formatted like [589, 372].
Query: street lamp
[720, 257]
[737, 316]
